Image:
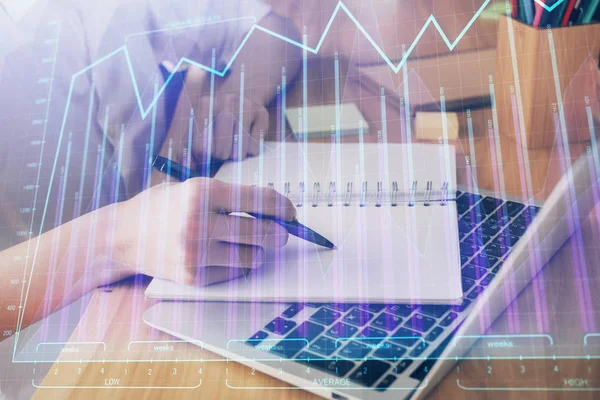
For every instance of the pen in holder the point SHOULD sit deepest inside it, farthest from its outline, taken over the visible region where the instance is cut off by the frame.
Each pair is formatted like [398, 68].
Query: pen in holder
[544, 65]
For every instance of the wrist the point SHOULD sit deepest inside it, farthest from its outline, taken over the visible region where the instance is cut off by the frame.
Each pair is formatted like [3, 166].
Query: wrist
[116, 240]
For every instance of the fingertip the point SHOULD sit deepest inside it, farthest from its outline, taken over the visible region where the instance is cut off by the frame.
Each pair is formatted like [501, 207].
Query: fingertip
[279, 205]
[289, 211]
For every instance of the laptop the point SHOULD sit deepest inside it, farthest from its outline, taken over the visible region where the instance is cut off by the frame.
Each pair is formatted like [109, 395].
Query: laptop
[391, 351]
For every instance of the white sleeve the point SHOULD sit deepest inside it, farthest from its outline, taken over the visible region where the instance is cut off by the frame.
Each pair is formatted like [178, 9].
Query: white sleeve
[243, 14]
[226, 22]
[156, 30]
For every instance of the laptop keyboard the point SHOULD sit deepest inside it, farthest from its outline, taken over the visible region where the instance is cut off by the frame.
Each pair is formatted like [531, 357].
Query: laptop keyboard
[372, 344]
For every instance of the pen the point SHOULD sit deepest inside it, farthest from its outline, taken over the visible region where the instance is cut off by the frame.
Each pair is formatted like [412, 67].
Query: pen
[543, 17]
[538, 14]
[529, 11]
[522, 16]
[568, 11]
[589, 13]
[515, 9]
[294, 227]
[558, 16]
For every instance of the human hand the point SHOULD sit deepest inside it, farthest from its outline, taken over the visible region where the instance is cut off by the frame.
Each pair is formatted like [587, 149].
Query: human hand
[183, 231]
[234, 134]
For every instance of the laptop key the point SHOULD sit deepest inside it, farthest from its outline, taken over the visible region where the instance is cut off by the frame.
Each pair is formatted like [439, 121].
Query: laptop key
[517, 229]
[504, 239]
[496, 249]
[449, 319]
[469, 199]
[496, 269]
[434, 334]
[306, 330]
[358, 317]
[464, 227]
[419, 349]
[389, 351]
[343, 307]
[468, 249]
[387, 321]
[473, 272]
[403, 310]
[402, 366]
[385, 383]
[490, 228]
[484, 260]
[467, 284]
[489, 204]
[477, 238]
[369, 372]
[280, 326]
[473, 217]
[355, 350]
[323, 345]
[467, 224]
[487, 280]
[475, 292]
[405, 337]
[374, 308]
[464, 260]
[257, 338]
[371, 335]
[325, 316]
[292, 310]
[337, 367]
[342, 331]
[423, 369]
[498, 219]
[524, 220]
[462, 207]
[420, 323]
[460, 308]
[434, 310]
[512, 239]
[298, 339]
[513, 208]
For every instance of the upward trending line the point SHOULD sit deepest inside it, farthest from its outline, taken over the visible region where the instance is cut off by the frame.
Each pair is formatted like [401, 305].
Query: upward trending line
[339, 7]
[144, 113]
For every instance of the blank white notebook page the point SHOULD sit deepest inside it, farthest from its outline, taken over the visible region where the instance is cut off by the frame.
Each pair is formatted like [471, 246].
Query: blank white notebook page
[384, 253]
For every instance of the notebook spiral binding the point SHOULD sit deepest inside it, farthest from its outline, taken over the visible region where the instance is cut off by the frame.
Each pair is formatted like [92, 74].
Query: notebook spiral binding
[347, 200]
[331, 194]
[348, 194]
[316, 191]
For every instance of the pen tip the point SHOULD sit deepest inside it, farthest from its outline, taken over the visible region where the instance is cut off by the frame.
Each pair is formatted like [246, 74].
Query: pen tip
[334, 247]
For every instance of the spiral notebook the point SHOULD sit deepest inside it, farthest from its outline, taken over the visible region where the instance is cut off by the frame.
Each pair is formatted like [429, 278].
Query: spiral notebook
[389, 209]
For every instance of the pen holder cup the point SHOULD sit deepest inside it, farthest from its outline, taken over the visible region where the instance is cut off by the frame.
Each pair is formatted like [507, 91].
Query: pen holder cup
[550, 67]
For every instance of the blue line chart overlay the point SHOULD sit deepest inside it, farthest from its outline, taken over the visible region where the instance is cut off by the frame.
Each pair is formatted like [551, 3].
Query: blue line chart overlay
[340, 7]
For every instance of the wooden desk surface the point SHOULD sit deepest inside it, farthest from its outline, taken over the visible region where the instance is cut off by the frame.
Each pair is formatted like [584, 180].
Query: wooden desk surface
[123, 304]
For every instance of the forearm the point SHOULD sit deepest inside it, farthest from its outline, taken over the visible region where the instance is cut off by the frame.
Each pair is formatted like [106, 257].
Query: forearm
[48, 272]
